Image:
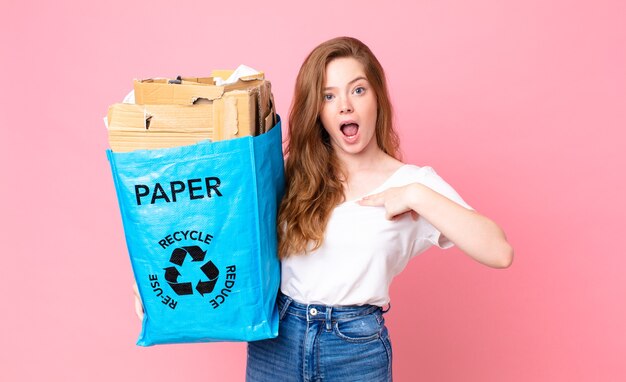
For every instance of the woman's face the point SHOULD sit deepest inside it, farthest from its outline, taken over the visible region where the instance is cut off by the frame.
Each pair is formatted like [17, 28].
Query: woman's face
[349, 108]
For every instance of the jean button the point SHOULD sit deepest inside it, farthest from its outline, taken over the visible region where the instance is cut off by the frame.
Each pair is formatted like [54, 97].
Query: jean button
[313, 311]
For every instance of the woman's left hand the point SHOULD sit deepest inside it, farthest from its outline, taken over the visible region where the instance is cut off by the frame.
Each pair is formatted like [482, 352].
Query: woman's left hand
[396, 200]
[473, 233]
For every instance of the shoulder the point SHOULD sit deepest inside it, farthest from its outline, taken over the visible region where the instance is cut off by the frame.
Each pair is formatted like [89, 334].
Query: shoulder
[416, 173]
[425, 175]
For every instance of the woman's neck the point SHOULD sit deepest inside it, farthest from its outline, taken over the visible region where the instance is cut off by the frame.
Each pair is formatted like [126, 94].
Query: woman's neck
[364, 161]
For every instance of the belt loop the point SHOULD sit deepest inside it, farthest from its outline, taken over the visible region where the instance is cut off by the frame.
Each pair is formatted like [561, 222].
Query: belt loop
[329, 314]
[388, 308]
[308, 313]
[288, 302]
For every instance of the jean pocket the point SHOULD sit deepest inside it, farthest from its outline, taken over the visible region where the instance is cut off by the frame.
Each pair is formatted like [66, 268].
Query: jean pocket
[360, 329]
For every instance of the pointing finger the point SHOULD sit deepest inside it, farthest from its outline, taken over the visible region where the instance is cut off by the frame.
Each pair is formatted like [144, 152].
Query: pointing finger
[372, 200]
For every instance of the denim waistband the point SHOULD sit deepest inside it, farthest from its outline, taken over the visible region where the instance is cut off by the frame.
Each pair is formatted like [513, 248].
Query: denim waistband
[312, 312]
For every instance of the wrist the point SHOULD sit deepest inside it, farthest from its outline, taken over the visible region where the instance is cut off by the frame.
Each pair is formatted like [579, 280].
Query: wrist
[416, 196]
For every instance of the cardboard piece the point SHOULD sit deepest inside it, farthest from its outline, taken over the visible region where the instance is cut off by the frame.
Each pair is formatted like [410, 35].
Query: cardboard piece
[134, 127]
[183, 111]
[191, 90]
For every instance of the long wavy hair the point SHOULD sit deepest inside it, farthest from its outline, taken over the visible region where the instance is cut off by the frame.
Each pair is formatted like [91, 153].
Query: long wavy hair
[314, 176]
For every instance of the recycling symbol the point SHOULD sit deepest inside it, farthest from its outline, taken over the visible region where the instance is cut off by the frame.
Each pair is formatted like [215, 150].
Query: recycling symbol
[197, 255]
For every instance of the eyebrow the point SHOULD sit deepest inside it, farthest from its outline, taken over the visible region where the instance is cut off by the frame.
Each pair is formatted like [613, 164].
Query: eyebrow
[349, 83]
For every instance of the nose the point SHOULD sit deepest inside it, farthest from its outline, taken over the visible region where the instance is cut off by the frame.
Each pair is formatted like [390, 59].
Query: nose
[346, 106]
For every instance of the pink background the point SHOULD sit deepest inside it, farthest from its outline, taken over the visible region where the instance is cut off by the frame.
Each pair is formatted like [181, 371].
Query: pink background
[520, 105]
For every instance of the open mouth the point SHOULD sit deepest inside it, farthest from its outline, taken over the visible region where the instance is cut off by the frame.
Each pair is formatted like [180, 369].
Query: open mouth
[349, 129]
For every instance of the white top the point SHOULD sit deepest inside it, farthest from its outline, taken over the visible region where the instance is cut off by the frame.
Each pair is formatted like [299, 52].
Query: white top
[362, 251]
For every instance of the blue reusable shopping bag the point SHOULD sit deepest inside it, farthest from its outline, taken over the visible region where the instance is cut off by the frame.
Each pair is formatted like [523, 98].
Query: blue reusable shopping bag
[200, 226]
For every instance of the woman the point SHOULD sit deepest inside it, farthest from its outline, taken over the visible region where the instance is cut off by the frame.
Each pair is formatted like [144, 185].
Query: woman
[352, 217]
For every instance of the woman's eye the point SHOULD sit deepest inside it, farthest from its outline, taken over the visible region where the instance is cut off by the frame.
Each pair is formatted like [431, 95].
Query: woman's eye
[359, 90]
[328, 97]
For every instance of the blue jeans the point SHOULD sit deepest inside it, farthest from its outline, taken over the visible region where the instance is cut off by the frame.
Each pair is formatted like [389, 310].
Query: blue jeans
[318, 343]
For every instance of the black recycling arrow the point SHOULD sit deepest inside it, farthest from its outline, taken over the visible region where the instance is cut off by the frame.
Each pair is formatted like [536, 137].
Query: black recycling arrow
[204, 287]
[171, 274]
[178, 255]
[182, 288]
[197, 254]
[210, 270]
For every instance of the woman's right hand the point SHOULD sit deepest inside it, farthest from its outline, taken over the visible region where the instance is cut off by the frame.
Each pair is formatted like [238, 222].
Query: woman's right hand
[138, 304]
